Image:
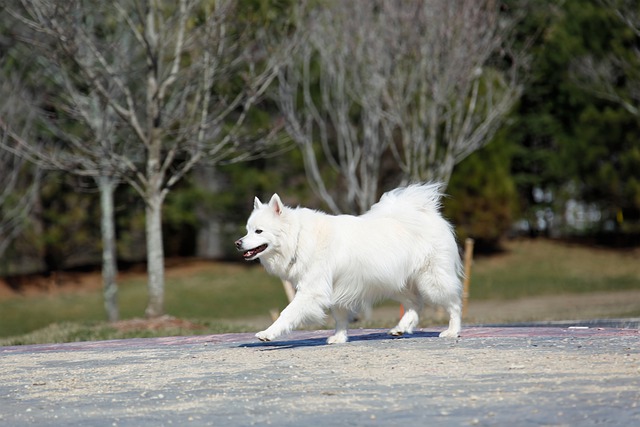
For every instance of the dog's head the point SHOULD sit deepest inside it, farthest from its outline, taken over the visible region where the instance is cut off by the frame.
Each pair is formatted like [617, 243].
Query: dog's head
[263, 229]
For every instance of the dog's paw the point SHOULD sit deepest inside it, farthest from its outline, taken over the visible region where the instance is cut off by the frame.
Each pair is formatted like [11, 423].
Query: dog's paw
[265, 336]
[337, 339]
[449, 334]
[396, 332]
[399, 331]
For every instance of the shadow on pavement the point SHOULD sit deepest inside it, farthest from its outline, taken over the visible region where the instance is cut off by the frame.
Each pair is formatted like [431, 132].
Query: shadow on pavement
[314, 342]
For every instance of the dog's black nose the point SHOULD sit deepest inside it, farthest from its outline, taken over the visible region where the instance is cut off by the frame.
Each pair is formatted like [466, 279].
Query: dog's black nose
[239, 243]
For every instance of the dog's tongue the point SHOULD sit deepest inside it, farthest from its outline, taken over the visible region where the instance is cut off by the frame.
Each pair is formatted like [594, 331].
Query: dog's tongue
[254, 251]
[249, 253]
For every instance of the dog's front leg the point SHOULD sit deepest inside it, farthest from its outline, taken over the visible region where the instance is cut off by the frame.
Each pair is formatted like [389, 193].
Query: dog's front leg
[305, 307]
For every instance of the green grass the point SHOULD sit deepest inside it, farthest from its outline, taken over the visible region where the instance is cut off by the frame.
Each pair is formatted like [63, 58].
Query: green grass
[223, 291]
[219, 292]
[542, 267]
[216, 294]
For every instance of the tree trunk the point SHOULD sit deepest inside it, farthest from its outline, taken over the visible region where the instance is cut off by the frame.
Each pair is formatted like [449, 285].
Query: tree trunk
[210, 242]
[107, 186]
[155, 257]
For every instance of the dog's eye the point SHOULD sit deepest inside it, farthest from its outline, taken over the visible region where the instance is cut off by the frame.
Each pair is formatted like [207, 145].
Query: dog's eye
[258, 231]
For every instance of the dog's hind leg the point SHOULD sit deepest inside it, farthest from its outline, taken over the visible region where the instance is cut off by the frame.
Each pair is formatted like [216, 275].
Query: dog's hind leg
[444, 290]
[413, 305]
[341, 316]
[454, 310]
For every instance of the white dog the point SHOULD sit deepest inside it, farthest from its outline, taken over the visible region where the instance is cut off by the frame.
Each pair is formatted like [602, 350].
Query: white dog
[401, 249]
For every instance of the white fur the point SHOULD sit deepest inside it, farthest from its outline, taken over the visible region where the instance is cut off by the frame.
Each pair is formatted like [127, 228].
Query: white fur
[401, 249]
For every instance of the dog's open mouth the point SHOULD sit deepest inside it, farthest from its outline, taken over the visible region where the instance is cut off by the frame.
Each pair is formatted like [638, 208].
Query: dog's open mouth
[254, 252]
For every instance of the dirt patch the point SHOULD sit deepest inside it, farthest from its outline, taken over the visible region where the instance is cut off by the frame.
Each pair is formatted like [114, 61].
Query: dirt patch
[72, 281]
[57, 282]
[597, 305]
[157, 324]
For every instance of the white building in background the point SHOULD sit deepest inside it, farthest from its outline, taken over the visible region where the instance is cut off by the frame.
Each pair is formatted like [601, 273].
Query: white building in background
[552, 218]
[580, 215]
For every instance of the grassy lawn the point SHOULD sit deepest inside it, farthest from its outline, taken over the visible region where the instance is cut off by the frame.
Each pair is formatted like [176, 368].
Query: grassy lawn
[542, 267]
[218, 297]
[211, 293]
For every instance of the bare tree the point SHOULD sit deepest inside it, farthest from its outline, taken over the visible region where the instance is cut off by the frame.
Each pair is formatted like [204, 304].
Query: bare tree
[85, 152]
[425, 83]
[19, 182]
[18, 189]
[90, 150]
[180, 76]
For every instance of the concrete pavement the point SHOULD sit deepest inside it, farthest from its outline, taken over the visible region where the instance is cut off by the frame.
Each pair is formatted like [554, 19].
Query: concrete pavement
[520, 376]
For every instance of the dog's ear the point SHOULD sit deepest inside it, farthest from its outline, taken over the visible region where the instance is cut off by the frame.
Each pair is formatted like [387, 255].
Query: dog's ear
[276, 204]
[257, 204]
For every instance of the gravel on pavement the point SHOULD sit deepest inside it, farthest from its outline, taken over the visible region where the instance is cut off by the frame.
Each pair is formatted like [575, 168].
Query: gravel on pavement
[524, 376]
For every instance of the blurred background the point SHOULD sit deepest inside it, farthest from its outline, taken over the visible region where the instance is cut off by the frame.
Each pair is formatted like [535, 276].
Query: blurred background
[134, 136]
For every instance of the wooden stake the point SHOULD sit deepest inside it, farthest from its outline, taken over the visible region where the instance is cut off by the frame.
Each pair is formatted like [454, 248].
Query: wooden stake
[468, 260]
[290, 292]
[288, 289]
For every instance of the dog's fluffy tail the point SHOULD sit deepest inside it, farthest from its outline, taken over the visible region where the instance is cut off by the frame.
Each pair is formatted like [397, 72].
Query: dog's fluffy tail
[422, 197]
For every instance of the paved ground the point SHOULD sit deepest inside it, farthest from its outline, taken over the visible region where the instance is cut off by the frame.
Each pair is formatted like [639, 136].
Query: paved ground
[520, 376]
